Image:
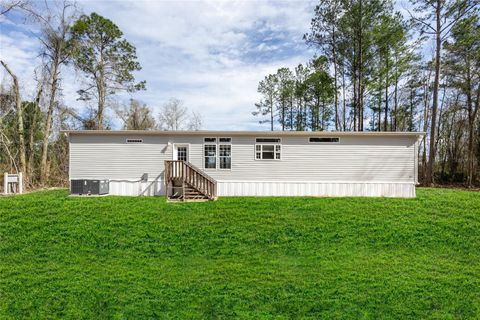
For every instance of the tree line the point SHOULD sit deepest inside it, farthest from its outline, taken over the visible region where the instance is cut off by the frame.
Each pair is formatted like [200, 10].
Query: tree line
[373, 72]
[30, 139]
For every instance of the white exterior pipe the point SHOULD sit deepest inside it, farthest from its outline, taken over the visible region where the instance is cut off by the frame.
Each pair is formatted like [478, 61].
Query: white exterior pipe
[20, 183]
[5, 183]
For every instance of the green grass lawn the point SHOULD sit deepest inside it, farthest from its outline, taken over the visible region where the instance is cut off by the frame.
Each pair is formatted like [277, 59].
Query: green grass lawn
[140, 258]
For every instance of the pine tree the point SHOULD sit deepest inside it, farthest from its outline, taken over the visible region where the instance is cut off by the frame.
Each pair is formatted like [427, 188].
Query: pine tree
[321, 91]
[285, 96]
[266, 106]
[106, 58]
[437, 18]
[462, 63]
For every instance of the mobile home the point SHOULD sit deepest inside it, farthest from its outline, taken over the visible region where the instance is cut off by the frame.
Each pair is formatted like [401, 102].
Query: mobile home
[210, 164]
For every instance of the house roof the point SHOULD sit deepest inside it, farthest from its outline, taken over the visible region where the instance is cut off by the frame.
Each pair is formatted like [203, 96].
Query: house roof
[242, 133]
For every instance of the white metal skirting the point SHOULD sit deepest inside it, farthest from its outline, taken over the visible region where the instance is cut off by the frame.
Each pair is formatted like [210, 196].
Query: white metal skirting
[137, 188]
[323, 189]
[276, 188]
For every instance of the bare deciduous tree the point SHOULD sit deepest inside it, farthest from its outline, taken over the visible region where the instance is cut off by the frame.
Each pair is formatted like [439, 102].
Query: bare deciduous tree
[136, 116]
[55, 22]
[195, 123]
[9, 5]
[175, 116]
[19, 111]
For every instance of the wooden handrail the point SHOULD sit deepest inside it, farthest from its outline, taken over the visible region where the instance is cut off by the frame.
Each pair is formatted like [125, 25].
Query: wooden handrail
[187, 172]
[206, 176]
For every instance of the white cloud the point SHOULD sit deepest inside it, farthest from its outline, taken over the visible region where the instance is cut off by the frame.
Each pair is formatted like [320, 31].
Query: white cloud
[19, 52]
[210, 54]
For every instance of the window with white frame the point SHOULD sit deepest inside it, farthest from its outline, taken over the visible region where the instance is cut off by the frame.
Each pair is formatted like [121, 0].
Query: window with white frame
[182, 153]
[225, 156]
[268, 149]
[210, 156]
[217, 150]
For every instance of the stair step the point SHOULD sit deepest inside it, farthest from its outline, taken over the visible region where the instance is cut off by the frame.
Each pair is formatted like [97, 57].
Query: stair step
[189, 193]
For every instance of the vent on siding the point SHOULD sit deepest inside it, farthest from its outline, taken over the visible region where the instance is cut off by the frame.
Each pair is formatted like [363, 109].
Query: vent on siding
[325, 139]
[267, 140]
[134, 140]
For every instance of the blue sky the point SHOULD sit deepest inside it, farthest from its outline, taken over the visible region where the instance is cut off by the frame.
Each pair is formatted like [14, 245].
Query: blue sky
[210, 54]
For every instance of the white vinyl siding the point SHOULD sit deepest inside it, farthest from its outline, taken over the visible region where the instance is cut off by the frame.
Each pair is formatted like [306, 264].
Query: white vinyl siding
[353, 159]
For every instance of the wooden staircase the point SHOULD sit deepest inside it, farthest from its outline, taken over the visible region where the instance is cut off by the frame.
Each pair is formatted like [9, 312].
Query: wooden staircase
[185, 182]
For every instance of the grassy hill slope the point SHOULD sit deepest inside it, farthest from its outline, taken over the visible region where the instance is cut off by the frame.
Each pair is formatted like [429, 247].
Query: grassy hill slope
[124, 257]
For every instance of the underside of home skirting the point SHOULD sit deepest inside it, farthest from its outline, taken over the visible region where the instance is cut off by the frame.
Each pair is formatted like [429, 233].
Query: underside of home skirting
[277, 188]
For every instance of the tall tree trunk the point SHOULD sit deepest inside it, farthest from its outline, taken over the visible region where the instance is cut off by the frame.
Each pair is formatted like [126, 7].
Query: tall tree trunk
[440, 114]
[314, 117]
[20, 126]
[101, 105]
[355, 107]
[48, 122]
[271, 113]
[379, 110]
[438, 44]
[291, 114]
[33, 126]
[322, 120]
[470, 153]
[426, 116]
[385, 121]
[102, 91]
[361, 103]
[412, 92]
[395, 97]
[355, 80]
[299, 114]
[344, 101]
[360, 68]
[472, 114]
[335, 75]
[305, 113]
